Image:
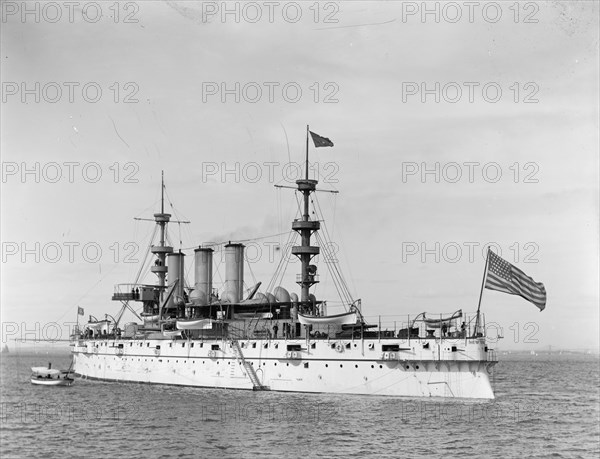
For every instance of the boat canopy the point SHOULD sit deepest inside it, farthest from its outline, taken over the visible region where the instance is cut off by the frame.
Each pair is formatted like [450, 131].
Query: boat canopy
[45, 371]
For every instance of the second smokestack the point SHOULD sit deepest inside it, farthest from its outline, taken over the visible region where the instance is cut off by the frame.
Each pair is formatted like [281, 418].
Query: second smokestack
[234, 272]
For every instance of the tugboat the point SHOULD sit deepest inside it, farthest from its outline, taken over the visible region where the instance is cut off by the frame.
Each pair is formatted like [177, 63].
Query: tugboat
[47, 376]
[238, 337]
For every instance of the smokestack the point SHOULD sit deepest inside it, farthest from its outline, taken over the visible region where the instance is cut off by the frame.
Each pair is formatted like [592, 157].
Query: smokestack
[203, 258]
[234, 272]
[176, 271]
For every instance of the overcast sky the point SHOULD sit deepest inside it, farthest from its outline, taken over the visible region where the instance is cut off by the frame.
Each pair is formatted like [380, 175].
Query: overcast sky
[498, 102]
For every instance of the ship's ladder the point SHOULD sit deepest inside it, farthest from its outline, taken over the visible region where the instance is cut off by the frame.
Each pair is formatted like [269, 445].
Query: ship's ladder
[256, 385]
[255, 331]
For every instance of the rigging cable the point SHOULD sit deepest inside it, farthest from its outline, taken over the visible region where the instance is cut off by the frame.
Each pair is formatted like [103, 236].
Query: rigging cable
[334, 268]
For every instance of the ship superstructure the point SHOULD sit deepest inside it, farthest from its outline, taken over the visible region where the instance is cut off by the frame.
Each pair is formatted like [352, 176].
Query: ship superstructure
[241, 338]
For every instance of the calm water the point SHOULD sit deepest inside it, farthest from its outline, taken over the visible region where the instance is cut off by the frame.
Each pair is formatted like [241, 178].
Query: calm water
[546, 406]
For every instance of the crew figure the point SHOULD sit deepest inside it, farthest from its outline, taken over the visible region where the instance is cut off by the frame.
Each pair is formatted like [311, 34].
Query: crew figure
[275, 330]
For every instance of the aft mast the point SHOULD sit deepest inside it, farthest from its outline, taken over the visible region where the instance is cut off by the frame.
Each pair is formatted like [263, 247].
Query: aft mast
[306, 227]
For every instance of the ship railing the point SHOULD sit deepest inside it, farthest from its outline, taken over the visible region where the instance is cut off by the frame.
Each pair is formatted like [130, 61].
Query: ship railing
[128, 292]
[311, 278]
[122, 288]
[393, 326]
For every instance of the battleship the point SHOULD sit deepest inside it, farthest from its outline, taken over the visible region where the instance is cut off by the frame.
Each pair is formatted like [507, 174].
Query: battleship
[235, 336]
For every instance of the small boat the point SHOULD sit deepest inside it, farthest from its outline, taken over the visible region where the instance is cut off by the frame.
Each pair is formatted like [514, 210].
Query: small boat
[347, 318]
[253, 315]
[43, 376]
[98, 325]
[194, 324]
[171, 333]
[441, 321]
[149, 317]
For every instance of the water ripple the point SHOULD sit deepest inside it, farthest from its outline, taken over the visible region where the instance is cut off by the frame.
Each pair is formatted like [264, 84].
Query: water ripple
[543, 408]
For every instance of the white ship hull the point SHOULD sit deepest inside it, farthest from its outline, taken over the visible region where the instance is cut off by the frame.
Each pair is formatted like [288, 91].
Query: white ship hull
[456, 368]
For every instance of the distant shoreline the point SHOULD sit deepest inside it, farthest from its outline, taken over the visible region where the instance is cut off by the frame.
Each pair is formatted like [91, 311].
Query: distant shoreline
[65, 349]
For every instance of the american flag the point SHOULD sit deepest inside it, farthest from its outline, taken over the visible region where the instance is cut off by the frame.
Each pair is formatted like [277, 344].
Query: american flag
[504, 277]
[79, 311]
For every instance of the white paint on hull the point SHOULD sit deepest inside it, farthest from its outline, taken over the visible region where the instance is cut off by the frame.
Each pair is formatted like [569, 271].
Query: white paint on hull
[331, 366]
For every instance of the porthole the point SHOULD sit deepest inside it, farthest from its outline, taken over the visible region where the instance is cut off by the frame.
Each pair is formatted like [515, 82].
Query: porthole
[417, 367]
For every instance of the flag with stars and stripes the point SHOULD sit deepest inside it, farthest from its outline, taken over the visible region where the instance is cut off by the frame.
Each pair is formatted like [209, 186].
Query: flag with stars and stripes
[504, 277]
[320, 141]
